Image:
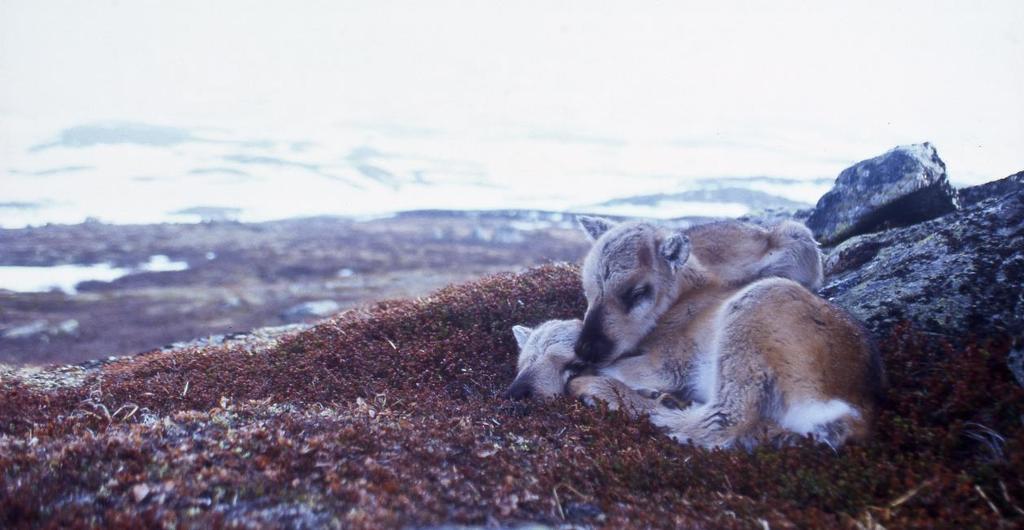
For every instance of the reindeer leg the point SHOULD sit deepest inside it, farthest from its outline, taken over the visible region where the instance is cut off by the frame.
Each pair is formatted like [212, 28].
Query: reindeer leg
[590, 388]
[742, 385]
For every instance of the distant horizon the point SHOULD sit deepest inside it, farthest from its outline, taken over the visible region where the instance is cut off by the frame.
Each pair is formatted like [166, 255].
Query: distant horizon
[65, 199]
[128, 112]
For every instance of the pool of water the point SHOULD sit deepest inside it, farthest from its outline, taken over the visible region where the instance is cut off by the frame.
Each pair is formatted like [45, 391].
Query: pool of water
[67, 277]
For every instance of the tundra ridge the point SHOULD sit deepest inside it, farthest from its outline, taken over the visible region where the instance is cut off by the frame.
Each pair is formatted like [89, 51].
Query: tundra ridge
[393, 416]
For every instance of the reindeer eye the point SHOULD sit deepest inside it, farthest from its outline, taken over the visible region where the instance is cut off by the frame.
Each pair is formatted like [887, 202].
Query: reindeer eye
[634, 296]
[575, 368]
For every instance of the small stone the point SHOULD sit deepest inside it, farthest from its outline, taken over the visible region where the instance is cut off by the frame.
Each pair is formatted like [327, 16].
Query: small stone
[487, 452]
[140, 492]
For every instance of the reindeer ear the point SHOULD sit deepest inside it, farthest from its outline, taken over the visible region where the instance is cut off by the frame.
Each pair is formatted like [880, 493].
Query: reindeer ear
[522, 333]
[675, 249]
[594, 226]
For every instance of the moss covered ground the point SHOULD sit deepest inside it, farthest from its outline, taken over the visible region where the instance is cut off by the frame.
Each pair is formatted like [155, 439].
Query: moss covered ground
[393, 417]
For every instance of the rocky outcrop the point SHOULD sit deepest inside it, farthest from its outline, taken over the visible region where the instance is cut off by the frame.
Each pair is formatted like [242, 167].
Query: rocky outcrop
[988, 190]
[957, 275]
[904, 186]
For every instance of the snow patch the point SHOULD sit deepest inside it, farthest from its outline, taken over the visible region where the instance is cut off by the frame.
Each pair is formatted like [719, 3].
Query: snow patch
[66, 278]
[60, 277]
[162, 263]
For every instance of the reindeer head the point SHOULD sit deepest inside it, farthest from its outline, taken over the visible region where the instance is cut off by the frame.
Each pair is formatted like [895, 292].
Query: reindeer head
[630, 281]
[546, 359]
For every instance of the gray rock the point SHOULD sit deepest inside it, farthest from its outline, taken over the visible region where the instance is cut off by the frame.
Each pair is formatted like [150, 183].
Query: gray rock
[954, 276]
[773, 216]
[989, 190]
[314, 309]
[904, 186]
[1015, 360]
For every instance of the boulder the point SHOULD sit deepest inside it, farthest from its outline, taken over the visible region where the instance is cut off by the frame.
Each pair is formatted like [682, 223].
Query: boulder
[954, 276]
[904, 186]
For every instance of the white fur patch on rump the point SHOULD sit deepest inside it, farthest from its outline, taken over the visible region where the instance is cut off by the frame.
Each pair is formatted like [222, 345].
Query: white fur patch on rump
[808, 416]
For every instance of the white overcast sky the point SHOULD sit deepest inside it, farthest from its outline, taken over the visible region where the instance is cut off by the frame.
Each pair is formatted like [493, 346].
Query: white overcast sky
[836, 81]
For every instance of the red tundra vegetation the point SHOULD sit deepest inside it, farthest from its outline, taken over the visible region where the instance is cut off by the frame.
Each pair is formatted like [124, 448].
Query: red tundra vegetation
[393, 417]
